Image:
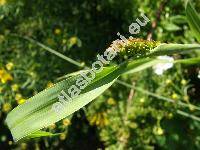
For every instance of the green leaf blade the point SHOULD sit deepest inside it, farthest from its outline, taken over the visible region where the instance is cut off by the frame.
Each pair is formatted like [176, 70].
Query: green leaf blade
[193, 20]
[37, 113]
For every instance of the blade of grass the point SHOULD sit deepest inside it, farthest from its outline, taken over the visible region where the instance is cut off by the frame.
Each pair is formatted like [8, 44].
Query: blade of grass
[168, 49]
[36, 114]
[189, 61]
[193, 20]
[188, 115]
[156, 95]
[72, 61]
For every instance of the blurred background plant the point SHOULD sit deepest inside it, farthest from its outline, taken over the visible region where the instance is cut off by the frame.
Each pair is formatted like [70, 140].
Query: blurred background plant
[147, 116]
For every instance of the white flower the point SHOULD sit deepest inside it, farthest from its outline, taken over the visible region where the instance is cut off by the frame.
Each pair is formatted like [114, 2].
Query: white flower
[198, 75]
[162, 66]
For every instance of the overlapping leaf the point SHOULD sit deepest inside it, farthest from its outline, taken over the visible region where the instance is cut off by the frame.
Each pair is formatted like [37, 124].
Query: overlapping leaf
[27, 119]
[193, 20]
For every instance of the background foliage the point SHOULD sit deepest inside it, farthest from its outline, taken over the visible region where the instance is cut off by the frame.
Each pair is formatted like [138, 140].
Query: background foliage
[121, 118]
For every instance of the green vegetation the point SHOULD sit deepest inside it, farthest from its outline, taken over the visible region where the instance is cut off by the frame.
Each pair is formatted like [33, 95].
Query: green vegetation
[142, 99]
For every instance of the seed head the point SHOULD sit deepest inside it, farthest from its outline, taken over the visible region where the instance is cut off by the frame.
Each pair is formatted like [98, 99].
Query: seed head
[134, 47]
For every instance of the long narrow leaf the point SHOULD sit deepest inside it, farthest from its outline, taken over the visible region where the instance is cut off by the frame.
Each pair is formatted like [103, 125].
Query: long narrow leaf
[193, 20]
[168, 49]
[37, 113]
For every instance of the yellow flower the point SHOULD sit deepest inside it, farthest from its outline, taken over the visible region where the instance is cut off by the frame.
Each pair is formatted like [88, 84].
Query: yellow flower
[9, 66]
[73, 40]
[191, 107]
[183, 82]
[158, 131]
[168, 81]
[23, 146]
[186, 98]
[111, 101]
[7, 107]
[142, 100]
[174, 96]
[63, 136]
[93, 119]
[21, 101]
[83, 64]
[15, 87]
[99, 119]
[2, 2]
[104, 120]
[49, 84]
[5, 76]
[53, 126]
[57, 31]
[170, 115]
[10, 142]
[18, 96]
[66, 122]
